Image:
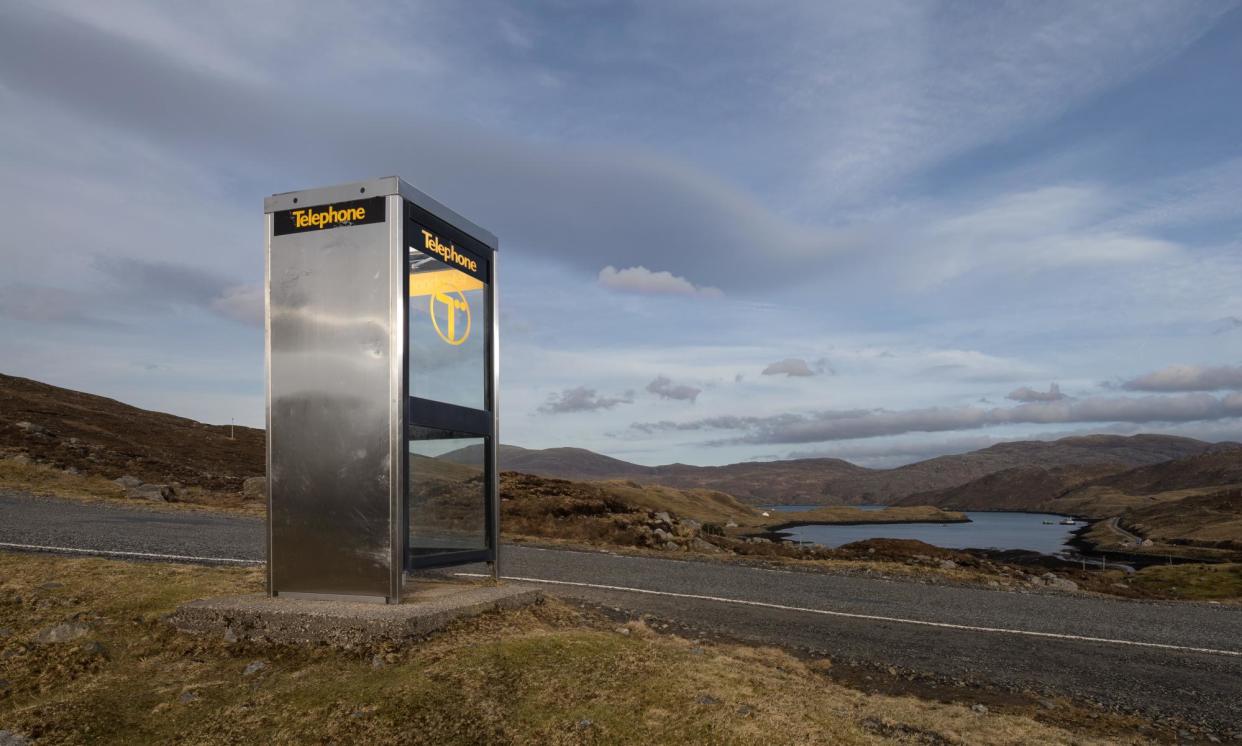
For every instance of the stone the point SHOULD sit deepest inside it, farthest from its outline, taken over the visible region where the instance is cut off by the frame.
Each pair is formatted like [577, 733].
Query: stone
[128, 482]
[72, 471]
[662, 535]
[759, 540]
[230, 636]
[730, 524]
[993, 584]
[691, 524]
[96, 649]
[51, 585]
[153, 492]
[12, 738]
[254, 667]
[979, 709]
[188, 697]
[745, 711]
[63, 632]
[1048, 704]
[32, 428]
[706, 699]
[699, 545]
[254, 488]
[21, 459]
[948, 565]
[671, 546]
[585, 723]
[377, 661]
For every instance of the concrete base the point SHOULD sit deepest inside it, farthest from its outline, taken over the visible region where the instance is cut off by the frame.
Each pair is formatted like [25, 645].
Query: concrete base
[428, 606]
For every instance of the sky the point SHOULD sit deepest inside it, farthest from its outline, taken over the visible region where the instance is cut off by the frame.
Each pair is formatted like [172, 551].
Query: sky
[728, 231]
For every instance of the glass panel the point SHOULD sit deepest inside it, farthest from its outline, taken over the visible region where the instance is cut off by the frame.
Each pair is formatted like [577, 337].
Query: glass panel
[448, 489]
[447, 333]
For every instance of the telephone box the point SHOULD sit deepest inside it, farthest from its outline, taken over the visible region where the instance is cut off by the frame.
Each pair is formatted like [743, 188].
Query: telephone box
[381, 351]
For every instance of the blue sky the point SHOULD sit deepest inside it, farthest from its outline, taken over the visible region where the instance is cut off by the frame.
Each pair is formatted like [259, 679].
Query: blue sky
[729, 231]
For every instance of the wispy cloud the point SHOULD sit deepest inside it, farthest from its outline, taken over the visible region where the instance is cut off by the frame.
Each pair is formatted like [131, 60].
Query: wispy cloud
[1188, 378]
[845, 425]
[1027, 394]
[583, 399]
[664, 388]
[645, 282]
[789, 367]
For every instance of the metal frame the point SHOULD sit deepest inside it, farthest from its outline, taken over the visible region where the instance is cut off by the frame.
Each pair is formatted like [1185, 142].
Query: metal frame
[403, 409]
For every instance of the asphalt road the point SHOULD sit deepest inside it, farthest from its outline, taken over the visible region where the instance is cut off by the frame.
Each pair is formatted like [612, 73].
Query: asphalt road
[1183, 660]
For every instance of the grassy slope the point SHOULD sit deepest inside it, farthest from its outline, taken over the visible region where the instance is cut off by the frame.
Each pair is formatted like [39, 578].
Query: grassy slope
[551, 674]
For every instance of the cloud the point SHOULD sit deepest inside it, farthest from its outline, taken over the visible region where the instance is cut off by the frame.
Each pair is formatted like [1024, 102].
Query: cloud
[845, 425]
[789, 367]
[645, 282]
[664, 387]
[1027, 394]
[1188, 378]
[43, 305]
[583, 399]
[1227, 324]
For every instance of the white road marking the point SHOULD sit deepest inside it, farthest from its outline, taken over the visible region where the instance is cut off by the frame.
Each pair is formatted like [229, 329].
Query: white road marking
[115, 553]
[871, 617]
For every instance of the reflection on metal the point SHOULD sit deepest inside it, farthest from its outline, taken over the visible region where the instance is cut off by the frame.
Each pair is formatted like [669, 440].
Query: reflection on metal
[362, 484]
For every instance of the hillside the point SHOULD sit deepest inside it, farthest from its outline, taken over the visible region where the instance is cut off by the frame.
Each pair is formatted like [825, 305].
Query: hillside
[830, 481]
[100, 436]
[1019, 488]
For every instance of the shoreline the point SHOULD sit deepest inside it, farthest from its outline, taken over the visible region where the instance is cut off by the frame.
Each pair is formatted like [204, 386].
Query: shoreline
[793, 524]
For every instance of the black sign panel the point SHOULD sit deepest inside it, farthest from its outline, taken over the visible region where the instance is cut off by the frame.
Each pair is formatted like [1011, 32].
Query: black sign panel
[420, 238]
[322, 217]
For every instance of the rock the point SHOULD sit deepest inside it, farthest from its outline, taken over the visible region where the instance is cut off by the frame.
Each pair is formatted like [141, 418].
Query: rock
[51, 585]
[671, 546]
[662, 535]
[188, 697]
[623, 630]
[1148, 543]
[254, 488]
[1048, 704]
[697, 651]
[691, 524]
[153, 492]
[21, 459]
[1051, 580]
[700, 545]
[12, 738]
[948, 565]
[730, 524]
[993, 584]
[745, 711]
[96, 649]
[706, 699]
[128, 482]
[585, 723]
[759, 540]
[31, 428]
[63, 632]
[230, 636]
[979, 709]
[72, 471]
[377, 661]
[254, 667]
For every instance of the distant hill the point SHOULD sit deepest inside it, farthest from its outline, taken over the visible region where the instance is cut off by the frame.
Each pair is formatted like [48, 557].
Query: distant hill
[1089, 489]
[97, 435]
[830, 481]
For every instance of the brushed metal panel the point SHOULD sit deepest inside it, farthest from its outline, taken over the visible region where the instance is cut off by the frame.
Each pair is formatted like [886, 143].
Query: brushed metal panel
[330, 435]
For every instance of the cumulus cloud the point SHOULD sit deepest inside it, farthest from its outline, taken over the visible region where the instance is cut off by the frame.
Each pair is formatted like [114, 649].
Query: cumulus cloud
[845, 425]
[664, 388]
[790, 366]
[1028, 394]
[1188, 378]
[645, 282]
[583, 399]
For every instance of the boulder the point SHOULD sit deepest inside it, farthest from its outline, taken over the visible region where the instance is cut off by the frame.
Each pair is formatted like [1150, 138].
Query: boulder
[662, 535]
[63, 632]
[254, 488]
[12, 738]
[128, 482]
[699, 545]
[691, 524]
[672, 546]
[153, 492]
[32, 428]
[948, 565]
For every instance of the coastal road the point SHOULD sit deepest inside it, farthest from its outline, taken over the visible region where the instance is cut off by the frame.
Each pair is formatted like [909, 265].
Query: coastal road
[1114, 524]
[1182, 660]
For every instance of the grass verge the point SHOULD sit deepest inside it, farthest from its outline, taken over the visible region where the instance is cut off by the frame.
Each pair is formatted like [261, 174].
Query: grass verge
[552, 674]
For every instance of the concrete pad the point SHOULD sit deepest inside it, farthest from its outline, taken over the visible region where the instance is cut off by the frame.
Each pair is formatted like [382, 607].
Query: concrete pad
[428, 606]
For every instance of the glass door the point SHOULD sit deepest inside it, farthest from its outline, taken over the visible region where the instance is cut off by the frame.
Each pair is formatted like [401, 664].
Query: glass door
[450, 426]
